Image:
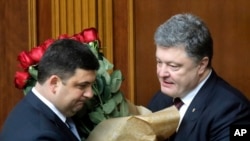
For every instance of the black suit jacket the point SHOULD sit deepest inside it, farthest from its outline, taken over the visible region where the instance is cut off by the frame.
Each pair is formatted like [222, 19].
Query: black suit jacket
[213, 110]
[32, 120]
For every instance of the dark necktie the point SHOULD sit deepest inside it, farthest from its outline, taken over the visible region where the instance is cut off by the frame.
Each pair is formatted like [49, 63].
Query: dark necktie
[71, 125]
[178, 103]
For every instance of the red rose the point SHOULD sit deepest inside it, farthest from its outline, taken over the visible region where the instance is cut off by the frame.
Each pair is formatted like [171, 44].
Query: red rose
[25, 60]
[78, 37]
[21, 79]
[47, 43]
[36, 54]
[90, 35]
[63, 36]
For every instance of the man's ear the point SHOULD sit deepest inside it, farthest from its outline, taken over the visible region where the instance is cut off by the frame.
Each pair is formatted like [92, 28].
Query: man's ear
[203, 65]
[53, 82]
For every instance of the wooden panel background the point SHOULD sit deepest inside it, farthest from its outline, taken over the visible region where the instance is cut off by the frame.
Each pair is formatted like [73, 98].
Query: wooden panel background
[121, 44]
[13, 39]
[228, 22]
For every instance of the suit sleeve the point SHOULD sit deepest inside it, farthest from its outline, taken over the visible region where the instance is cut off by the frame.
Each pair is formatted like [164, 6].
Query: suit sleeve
[236, 113]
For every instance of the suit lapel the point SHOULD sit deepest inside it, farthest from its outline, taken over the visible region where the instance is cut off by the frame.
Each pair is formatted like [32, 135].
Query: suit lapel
[196, 108]
[62, 126]
[44, 109]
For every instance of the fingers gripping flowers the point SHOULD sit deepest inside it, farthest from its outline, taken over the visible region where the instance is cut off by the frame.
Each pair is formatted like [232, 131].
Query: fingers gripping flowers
[108, 100]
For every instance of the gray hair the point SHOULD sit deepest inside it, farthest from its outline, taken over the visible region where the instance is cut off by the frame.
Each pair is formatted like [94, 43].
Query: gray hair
[189, 31]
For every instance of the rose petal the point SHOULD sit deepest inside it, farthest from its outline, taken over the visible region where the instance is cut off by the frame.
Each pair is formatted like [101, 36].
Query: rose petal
[47, 43]
[90, 35]
[25, 60]
[36, 53]
[63, 36]
[21, 79]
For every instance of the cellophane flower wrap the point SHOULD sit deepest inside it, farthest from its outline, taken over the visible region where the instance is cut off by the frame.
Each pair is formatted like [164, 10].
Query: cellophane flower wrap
[108, 115]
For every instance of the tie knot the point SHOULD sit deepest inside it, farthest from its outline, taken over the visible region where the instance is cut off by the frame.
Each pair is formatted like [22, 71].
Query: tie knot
[178, 103]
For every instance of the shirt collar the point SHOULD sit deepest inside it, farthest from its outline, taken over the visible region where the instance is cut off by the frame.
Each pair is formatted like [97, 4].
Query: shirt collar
[190, 96]
[49, 104]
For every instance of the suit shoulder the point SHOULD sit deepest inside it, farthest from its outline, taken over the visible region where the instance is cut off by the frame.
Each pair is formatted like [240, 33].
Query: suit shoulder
[159, 101]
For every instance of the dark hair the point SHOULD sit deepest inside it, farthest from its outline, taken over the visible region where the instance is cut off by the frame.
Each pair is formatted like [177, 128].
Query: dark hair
[187, 30]
[63, 57]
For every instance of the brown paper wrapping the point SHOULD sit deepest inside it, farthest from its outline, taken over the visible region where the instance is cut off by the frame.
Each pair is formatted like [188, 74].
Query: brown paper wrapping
[143, 125]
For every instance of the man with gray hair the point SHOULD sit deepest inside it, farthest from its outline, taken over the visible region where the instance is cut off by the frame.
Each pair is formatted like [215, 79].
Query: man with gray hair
[209, 105]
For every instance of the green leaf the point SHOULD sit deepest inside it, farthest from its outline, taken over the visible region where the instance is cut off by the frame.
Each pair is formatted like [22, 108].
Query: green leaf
[96, 117]
[107, 64]
[102, 68]
[99, 84]
[30, 84]
[115, 113]
[118, 97]
[109, 106]
[106, 95]
[107, 77]
[116, 81]
[94, 47]
[95, 89]
[33, 72]
[27, 89]
[124, 111]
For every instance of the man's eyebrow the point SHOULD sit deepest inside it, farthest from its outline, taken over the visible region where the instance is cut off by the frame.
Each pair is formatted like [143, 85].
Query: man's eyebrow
[174, 63]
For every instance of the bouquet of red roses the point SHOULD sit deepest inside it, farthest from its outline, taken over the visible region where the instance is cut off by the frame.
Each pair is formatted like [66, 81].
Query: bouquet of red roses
[108, 106]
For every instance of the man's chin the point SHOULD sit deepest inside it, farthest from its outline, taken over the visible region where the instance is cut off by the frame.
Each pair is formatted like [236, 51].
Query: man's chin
[78, 108]
[167, 92]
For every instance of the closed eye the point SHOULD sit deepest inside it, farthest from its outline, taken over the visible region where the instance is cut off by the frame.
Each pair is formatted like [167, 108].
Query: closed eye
[83, 86]
[174, 67]
[158, 62]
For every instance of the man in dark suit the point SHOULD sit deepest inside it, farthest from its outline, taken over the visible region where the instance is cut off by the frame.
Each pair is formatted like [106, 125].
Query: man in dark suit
[210, 106]
[66, 73]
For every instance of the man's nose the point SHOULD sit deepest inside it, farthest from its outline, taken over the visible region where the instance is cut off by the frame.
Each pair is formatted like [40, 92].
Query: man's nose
[88, 93]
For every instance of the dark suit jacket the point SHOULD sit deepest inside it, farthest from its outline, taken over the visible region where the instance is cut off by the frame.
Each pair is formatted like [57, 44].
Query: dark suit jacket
[32, 120]
[217, 106]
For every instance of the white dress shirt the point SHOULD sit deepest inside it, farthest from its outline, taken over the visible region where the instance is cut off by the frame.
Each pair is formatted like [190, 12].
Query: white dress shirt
[49, 104]
[189, 97]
